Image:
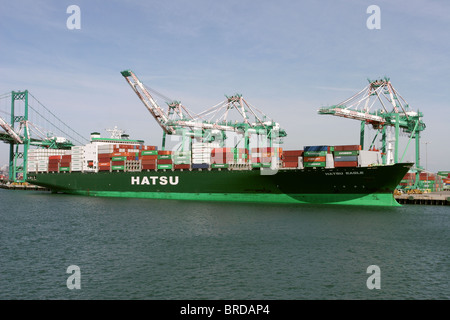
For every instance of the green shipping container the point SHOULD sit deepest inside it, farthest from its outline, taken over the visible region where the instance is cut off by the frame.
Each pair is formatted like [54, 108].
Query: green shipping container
[117, 167]
[346, 153]
[256, 165]
[149, 152]
[314, 153]
[314, 164]
[181, 154]
[118, 158]
[181, 158]
[182, 161]
[165, 166]
[165, 156]
[64, 169]
[219, 165]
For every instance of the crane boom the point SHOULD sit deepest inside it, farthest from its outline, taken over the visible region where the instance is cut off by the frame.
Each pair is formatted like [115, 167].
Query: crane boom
[160, 116]
[10, 131]
[199, 121]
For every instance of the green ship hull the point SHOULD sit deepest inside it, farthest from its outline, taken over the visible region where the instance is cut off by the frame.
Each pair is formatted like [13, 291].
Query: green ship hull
[347, 186]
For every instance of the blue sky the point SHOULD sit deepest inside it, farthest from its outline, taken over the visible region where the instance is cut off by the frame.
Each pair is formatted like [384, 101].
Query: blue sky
[288, 58]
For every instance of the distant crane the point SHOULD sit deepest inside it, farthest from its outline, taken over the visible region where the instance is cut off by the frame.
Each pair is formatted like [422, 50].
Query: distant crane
[209, 125]
[21, 133]
[394, 112]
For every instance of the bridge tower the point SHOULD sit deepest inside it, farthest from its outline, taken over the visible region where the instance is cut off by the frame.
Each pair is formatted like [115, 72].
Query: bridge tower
[18, 152]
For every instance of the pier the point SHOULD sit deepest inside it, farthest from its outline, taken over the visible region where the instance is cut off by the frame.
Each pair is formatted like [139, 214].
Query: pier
[434, 198]
[21, 186]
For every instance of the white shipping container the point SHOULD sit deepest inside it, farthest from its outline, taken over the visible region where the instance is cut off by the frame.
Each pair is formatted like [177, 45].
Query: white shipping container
[366, 158]
[197, 161]
[200, 156]
[329, 162]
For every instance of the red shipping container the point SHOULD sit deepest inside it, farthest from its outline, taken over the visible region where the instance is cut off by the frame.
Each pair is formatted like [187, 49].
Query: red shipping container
[54, 157]
[427, 176]
[165, 161]
[220, 150]
[104, 168]
[164, 152]
[151, 161]
[290, 159]
[347, 148]
[181, 166]
[148, 167]
[149, 148]
[104, 164]
[66, 157]
[290, 164]
[314, 159]
[149, 157]
[118, 163]
[409, 176]
[346, 163]
[292, 153]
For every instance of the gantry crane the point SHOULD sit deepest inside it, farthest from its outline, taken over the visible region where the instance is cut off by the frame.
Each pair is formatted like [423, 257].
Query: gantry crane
[209, 125]
[394, 112]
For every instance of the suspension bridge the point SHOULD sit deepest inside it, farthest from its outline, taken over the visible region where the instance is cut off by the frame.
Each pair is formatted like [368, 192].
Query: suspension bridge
[27, 123]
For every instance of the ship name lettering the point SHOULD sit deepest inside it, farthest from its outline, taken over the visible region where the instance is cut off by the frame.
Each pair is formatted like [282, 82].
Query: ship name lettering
[354, 172]
[154, 180]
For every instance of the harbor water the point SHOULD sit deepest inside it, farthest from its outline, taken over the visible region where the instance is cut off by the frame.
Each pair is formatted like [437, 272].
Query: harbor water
[174, 250]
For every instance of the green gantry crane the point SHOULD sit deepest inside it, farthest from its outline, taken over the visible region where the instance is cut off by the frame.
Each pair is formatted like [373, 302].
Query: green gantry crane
[394, 112]
[209, 125]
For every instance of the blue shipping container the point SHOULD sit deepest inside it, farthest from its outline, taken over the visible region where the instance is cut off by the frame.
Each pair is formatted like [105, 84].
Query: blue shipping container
[315, 148]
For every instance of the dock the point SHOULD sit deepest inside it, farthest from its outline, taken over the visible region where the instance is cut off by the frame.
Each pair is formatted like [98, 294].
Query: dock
[21, 186]
[433, 198]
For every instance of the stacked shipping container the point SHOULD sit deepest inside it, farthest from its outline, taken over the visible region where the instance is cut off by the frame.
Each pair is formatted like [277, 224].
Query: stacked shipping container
[77, 158]
[223, 157]
[445, 176]
[104, 156]
[148, 158]
[346, 155]
[65, 163]
[164, 160]
[181, 160]
[292, 158]
[137, 157]
[38, 159]
[264, 157]
[201, 154]
[315, 156]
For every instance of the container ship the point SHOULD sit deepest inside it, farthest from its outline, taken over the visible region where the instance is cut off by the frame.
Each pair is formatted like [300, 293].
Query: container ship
[117, 167]
[206, 170]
